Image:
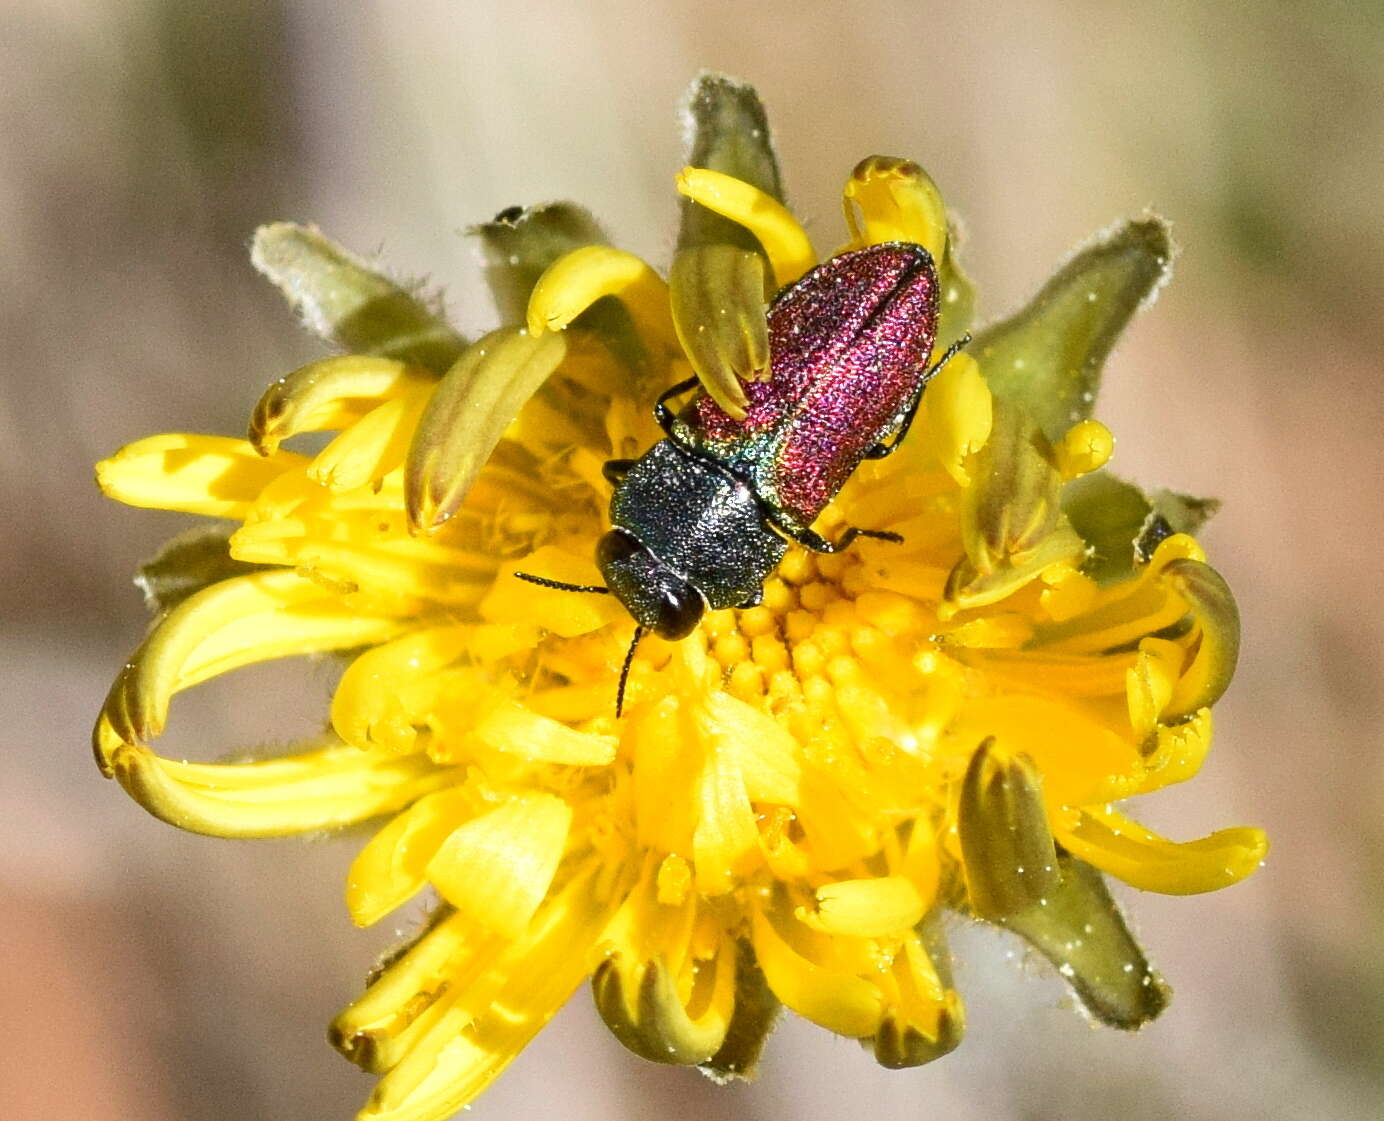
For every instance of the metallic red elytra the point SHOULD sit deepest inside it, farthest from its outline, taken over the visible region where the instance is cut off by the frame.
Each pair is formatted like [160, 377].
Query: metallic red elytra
[704, 516]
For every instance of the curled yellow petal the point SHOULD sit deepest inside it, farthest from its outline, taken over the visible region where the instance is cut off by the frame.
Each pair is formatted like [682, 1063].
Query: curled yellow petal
[1207, 678]
[1150, 683]
[576, 280]
[231, 624]
[497, 867]
[926, 1019]
[211, 475]
[717, 296]
[1141, 858]
[324, 789]
[785, 242]
[1126, 612]
[329, 394]
[898, 201]
[899, 1044]
[474, 403]
[370, 709]
[1178, 752]
[641, 1004]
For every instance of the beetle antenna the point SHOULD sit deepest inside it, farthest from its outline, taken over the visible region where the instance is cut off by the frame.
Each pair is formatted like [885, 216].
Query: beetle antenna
[625, 671]
[951, 352]
[561, 585]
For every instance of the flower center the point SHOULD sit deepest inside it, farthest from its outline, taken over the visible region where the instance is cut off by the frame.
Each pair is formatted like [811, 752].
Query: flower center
[809, 641]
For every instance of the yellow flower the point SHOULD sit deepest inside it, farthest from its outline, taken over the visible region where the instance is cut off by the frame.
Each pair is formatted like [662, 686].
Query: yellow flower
[795, 795]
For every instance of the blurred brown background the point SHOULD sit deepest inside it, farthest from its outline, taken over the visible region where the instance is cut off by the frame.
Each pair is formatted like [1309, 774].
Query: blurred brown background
[144, 973]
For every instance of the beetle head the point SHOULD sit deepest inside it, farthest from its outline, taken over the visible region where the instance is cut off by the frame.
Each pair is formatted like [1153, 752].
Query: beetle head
[654, 594]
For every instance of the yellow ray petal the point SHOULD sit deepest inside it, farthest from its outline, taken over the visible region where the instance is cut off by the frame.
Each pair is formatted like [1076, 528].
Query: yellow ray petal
[497, 867]
[1149, 683]
[1081, 760]
[373, 1030]
[392, 867]
[665, 757]
[211, 475]
[785, 242]
[839, 1002]
[756, 744]
[517, 730]
[725, 838]
[1141, 858]
[1071, 675]
[927, 1020]
[393, 575]
[372, 705]
[921, 860]
[836, 832]
[463, 1052]
[955, 417]
[865, 908]
[568, 614]
[1178, 752]
[1125, 612]
[1068, 594]
[372, 447]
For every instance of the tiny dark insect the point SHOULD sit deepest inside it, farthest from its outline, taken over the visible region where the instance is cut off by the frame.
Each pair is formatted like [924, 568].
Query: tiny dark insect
[704, 516]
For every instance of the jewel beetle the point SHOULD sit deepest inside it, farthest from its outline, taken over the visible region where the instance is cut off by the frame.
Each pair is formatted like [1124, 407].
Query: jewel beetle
[703, 518]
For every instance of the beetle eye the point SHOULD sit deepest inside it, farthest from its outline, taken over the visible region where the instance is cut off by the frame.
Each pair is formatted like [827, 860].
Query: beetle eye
[616, 547]
[679, 612]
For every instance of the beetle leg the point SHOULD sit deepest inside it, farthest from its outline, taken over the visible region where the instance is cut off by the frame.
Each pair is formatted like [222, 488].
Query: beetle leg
[852, 532]
[662, 413]
[810, 539]
[881, 450]
[754, 600]
[615, 470]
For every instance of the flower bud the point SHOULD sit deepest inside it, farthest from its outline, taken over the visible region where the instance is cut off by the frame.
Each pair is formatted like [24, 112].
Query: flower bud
[349, 304]
[1048, 357]
[1080, 930]
[1006, 845]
